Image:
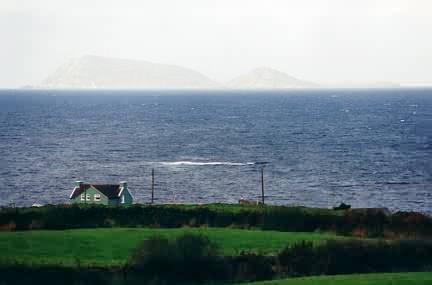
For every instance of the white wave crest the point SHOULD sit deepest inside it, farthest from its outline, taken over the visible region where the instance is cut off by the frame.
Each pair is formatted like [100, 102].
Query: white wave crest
[209, 163]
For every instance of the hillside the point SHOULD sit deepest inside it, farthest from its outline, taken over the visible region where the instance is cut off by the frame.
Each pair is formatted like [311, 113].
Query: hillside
[267, 78]
[103, 72]
[95, 246]
[411, 278]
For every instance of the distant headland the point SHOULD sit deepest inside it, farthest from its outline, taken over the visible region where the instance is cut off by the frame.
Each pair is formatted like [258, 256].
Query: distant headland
[96, 72]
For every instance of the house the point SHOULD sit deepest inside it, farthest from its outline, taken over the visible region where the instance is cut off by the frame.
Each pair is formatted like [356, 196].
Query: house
[103, 194]
[249, 202]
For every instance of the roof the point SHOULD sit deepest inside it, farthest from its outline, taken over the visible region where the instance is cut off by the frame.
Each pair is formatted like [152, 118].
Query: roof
[110, 190]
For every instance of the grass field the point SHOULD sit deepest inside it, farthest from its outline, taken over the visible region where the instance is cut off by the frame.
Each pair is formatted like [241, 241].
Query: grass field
[217, 207]
[236, 208]
[411, 278]
[113, 246]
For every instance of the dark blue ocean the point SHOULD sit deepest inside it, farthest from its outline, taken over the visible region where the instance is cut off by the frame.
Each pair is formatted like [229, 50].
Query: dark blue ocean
[368, 148]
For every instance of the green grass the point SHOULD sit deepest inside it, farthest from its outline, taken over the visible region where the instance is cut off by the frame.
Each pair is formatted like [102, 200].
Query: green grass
[112, 246]
[236, 208]
[411, 278]
[216, 207]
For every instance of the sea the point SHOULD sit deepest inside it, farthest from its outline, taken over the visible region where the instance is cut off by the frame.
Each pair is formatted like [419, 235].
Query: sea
[317, 147]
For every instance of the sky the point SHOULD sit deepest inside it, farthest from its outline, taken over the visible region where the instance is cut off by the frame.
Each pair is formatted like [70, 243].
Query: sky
[326, 41]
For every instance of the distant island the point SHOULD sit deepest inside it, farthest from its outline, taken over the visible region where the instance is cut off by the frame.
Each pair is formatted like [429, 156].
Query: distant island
[96, 72]
[113, 73]
[92, 72]
[268, 78]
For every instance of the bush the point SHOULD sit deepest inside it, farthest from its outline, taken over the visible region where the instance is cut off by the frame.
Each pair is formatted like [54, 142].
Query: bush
[153, 255]
[194, 258]
[342, 206]
[355, 256]
[250, 266]
[363, 222]
[298, 259]
[187, 258]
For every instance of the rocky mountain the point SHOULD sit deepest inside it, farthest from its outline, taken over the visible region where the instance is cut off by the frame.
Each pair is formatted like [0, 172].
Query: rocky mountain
[103, 72]
[267, 78]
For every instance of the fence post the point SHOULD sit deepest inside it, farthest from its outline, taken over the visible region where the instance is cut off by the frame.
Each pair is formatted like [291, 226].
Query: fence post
[152, 187]
[262, 185]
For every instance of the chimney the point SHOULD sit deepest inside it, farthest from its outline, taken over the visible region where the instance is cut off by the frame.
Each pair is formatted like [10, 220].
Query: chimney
[123, 184]
[78, 184]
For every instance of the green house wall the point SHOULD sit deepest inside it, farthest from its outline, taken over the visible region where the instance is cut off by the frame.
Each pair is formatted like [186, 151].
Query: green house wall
[128, 197]
[91, 191]
[127, 200]
[104, 199]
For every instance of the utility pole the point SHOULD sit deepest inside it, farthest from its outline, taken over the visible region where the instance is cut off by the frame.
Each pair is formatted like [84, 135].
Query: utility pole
[262, 184]
[152, 187]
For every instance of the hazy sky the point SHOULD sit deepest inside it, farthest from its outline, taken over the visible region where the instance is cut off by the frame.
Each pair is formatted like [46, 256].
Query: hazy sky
[317, 40]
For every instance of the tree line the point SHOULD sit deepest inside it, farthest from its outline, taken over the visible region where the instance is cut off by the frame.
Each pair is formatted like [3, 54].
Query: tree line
[364, 223]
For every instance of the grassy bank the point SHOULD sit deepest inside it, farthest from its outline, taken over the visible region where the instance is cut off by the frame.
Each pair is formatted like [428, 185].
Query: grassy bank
[411, 278]
[105, 247]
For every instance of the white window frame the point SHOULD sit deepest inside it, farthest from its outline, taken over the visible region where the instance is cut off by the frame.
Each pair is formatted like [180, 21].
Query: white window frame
[97, 197]
[82, 197]
[122, 199]
[88, 197]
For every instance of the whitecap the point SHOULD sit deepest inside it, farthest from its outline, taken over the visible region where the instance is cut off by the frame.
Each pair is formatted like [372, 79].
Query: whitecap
[204, 163]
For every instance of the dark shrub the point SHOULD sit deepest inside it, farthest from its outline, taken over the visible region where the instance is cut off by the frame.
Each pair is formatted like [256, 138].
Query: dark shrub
[154, 255]
[411, 224]
[298, 259]
[195, 247]
[359, 222]
[355, 256]
[251, 267]
[347, 257]
[186, 258]
[342, 206]
[368, 221]
[297, 219]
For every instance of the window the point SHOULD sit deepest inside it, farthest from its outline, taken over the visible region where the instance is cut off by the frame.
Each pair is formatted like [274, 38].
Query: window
[97, 197]
[122, 199]
[88, 197]
[82, 197]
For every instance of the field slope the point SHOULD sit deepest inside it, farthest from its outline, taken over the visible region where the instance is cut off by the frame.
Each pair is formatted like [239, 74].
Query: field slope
[411, 278]
[104, 247]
